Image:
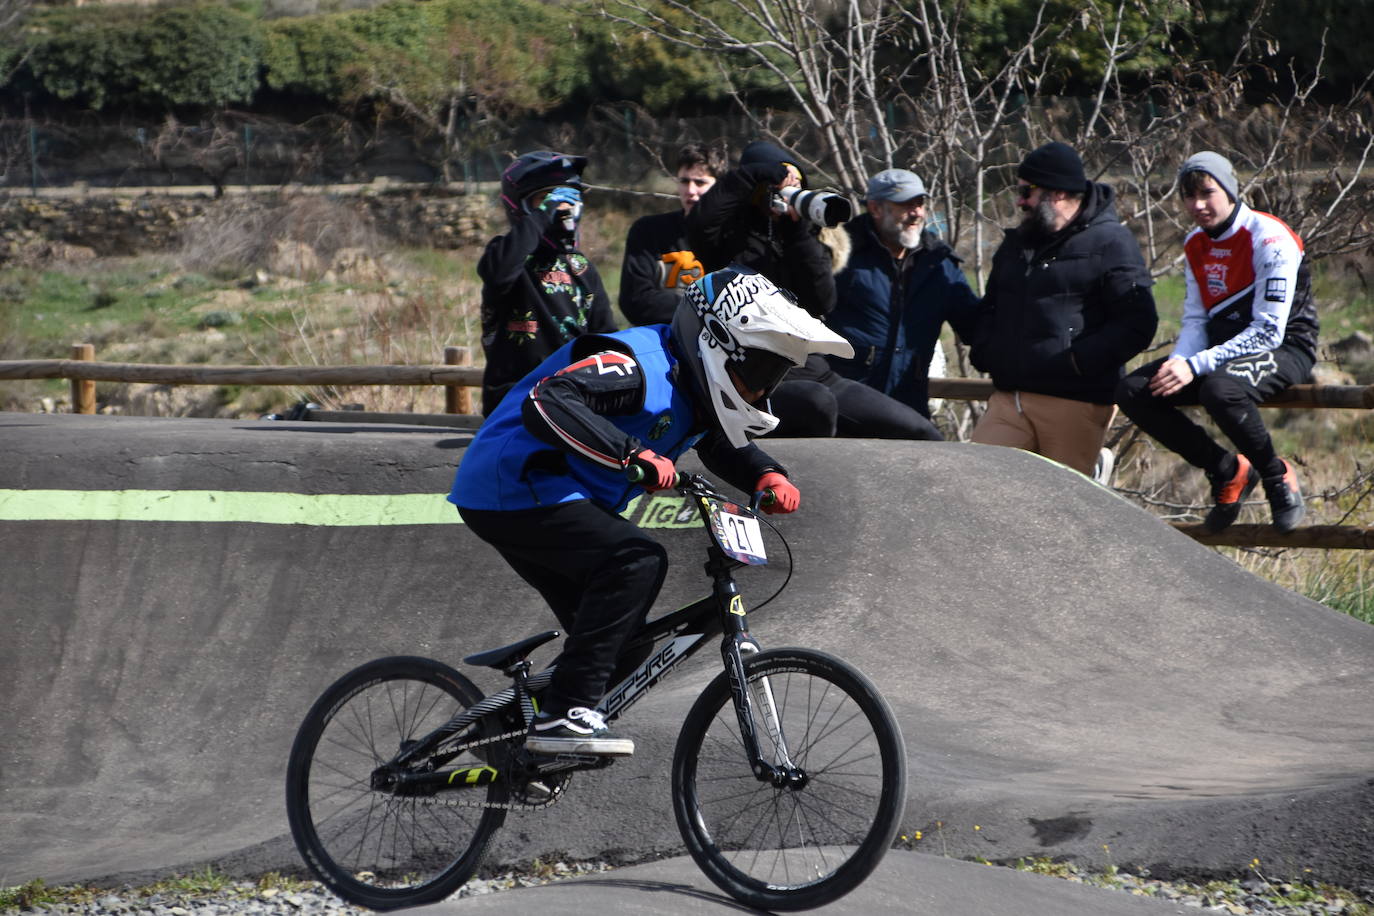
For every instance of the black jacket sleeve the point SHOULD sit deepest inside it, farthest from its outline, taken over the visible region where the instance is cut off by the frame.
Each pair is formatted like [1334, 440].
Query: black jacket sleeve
[568, 410]
[503, 261]
[739, 467]
[1128, 305]
[643, 298]
[962, 307]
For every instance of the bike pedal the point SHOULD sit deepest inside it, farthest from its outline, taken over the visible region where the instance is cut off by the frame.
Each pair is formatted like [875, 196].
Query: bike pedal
[536, 791]
[553, 763]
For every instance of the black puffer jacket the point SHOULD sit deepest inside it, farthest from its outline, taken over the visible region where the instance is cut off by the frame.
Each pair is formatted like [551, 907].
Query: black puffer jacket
[1063, 318]
[731, 223]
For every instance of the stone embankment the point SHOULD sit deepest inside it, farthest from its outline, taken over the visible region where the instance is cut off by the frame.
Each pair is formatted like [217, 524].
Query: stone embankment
[83, 224]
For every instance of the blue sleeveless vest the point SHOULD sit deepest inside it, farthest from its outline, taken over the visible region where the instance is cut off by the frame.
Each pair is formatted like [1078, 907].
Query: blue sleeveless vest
[506, 468]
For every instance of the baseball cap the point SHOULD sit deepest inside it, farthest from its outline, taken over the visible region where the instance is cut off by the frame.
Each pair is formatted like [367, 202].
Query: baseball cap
[896, 185]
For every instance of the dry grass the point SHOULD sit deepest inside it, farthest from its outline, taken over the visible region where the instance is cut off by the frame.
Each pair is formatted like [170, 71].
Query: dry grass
[1335, 463]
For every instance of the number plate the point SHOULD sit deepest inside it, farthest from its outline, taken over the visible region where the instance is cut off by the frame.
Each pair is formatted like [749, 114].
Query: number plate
[738, 534]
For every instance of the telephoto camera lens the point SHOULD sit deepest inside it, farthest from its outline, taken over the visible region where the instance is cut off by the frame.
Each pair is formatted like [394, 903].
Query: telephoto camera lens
[822, 207]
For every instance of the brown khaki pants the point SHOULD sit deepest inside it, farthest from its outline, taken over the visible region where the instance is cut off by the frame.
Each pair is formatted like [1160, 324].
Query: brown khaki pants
[1070, 432]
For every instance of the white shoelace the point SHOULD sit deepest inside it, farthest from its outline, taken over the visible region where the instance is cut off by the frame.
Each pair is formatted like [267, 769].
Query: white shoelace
[589, 717]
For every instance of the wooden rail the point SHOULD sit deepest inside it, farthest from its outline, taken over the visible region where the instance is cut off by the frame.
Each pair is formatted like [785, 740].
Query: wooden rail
[1357, 397]
[458, 375]
[1333, 537]
[470, 376]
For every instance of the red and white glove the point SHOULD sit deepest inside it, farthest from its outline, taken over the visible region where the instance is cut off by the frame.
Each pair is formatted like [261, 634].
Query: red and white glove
[786, 497]
[659, 472]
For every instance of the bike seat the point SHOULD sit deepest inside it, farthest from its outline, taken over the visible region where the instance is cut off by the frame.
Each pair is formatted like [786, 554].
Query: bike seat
[501, 658]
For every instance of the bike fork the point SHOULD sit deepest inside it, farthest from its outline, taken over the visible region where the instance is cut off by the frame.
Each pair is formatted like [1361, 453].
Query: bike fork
[755, 705]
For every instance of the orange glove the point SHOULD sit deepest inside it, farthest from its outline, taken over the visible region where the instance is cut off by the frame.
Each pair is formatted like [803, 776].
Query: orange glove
[659, 472]
[786, 498]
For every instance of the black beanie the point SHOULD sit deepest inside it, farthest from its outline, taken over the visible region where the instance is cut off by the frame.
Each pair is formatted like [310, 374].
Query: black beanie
[1055, 166]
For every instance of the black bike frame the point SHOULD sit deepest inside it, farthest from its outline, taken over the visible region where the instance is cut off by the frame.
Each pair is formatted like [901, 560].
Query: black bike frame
[687, 630]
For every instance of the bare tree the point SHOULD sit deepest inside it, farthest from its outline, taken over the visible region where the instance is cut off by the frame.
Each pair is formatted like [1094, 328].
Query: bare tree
[213, 148]
[879, 83]
[468, 87]
[12, 13]
[12, 16]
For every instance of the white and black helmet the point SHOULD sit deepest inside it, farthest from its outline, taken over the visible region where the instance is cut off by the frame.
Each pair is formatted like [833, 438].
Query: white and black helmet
[736, 322]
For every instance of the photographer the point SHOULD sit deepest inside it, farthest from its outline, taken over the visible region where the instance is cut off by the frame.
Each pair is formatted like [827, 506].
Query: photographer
[743, 219]
[734, 222]
[538, 289]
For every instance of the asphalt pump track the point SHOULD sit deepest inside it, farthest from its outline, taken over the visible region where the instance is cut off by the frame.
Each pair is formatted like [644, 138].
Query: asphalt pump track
[1073, 677]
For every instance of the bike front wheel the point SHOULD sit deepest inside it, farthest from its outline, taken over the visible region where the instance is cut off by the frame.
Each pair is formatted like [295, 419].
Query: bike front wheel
[372, 844]
[815, 838]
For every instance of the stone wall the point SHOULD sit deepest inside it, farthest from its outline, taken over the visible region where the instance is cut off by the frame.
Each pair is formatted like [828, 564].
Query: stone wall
[80, 223]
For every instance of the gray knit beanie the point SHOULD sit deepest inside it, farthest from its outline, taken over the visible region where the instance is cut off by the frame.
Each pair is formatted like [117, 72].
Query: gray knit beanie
[1216, 165]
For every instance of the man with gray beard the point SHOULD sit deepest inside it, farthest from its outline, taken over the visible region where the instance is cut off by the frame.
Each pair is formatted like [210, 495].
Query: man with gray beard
[902, 283]
[1067, 304]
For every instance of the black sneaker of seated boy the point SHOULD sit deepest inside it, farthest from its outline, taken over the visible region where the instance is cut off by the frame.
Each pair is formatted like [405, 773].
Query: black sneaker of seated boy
[1285, 499]
[578, 731]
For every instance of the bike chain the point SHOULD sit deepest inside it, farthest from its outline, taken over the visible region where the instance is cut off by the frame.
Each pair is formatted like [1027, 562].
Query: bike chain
[445, 802]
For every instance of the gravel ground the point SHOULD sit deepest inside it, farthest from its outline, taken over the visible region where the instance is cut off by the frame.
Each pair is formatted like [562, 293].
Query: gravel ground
[276, 897]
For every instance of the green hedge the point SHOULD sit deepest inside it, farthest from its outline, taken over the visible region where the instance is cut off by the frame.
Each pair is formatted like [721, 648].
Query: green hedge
[517, 49]
[527, 55]
[519, 54]
[193, 55]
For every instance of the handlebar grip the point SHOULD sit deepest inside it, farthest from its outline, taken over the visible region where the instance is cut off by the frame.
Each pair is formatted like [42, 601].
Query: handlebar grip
[635, 474]
[763, 498]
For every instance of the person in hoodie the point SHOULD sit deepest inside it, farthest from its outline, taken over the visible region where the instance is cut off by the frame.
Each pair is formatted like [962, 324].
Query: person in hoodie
[739, 221]
[659, 264]
[1067, 305]
[1249, 331]
[538, 290]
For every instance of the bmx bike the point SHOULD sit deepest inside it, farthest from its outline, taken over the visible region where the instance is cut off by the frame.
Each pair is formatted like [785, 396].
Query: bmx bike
[788, 776]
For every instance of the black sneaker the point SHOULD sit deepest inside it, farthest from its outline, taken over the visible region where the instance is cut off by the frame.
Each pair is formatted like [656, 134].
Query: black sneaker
[578, 731]
[1228, 493]
[1285, 500]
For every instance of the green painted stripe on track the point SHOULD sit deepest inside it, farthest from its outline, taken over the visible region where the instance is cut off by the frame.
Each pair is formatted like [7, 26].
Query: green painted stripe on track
[330, 509]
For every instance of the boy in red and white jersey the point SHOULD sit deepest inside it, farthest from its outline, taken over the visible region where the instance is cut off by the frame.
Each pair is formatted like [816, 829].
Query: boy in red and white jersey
[1249, 331]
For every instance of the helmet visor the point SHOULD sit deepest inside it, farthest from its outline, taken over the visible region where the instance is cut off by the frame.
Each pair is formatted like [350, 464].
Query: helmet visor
[760, 370]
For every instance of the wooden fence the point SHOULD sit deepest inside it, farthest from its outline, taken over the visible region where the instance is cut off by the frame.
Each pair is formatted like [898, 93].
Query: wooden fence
[459, 377]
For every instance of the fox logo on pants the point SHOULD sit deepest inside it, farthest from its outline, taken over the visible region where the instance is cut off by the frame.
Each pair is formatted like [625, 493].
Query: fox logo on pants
[1254, 369]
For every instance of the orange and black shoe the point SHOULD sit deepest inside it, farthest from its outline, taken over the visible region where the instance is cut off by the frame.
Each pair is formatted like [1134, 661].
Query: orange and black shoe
[1285, 499]
[1228, 492]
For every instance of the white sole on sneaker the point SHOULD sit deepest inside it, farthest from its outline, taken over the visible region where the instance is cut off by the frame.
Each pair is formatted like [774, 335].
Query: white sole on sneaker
[601, 747]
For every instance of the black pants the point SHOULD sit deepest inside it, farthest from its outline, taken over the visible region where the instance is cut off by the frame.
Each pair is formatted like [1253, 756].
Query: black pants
[814, 401]
[1230, 395]
[598, 572]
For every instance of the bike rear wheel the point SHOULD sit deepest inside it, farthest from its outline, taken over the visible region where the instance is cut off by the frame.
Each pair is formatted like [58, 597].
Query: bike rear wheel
[376, 847]
[808, 843]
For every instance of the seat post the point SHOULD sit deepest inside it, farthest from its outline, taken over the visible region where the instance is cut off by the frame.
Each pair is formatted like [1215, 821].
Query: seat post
[519, 672]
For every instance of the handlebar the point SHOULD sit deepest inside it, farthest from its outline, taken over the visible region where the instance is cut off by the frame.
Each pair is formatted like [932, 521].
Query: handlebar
[696, 483]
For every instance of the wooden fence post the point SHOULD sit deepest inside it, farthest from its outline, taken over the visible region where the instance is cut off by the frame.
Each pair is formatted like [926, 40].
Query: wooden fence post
[457, 398]
[83, 390]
